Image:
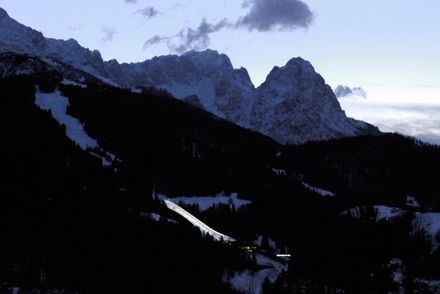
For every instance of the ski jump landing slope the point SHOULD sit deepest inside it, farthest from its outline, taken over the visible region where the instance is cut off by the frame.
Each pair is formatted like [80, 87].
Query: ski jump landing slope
[205, 229]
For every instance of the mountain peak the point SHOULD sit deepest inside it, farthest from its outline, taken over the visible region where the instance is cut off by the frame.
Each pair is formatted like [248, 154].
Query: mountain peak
[209, 58]
[299, 62]
[293, 105]
[3, 13]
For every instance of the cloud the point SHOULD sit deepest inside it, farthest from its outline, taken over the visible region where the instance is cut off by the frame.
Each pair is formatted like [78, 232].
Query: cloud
[109, 34]
[148, 12]
[155, 40]
[263, 16]
[345, 91]
[284, 15]
[189, 39]
[130, 1]
[418, 120]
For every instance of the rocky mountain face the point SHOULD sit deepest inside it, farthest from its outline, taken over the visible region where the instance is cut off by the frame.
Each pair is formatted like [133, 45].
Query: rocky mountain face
[293, 105]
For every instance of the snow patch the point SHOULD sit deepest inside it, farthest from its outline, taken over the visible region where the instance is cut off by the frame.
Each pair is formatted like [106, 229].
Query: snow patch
[397, 265]
[272, 244]
[57, 104]
[428, 220]
[412, 201]
[320, 191]
[279, 172]
[252, 281]
[68, 82]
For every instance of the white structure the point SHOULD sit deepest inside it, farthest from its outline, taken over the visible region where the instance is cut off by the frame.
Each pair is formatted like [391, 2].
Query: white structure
[196, 222]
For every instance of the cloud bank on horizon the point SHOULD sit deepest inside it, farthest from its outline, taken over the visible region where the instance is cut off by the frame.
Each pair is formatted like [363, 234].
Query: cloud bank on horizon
[421, 121]
[263, 16]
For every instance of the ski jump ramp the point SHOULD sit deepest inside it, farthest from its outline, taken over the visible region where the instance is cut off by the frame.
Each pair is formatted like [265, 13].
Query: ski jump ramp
[205, 229]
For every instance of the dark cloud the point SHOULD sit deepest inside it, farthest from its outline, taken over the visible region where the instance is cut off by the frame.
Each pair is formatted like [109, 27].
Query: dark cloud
[345, 91]
[155, 40]
[109, 34]
[196, 39]
[190, 39]
[265, 15]
[147, 12]
[130, 1]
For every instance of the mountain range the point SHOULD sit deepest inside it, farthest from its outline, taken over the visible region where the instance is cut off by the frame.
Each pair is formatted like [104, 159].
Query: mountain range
[109, 184]
[294, 105]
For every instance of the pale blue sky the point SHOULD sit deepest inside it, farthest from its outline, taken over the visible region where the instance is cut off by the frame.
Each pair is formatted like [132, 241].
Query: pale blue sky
[388, 47]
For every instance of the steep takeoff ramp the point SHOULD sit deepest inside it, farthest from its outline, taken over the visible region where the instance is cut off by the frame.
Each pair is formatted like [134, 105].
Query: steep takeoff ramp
[205, 229]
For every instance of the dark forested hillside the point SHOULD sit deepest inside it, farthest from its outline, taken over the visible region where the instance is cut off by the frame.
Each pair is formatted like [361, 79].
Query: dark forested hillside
[381, 169]
[69, 222]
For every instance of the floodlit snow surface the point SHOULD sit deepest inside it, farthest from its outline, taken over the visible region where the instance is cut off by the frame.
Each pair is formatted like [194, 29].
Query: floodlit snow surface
[320, 191]
[204, 203]
[252, 281]
[205, 229]
[57, 104]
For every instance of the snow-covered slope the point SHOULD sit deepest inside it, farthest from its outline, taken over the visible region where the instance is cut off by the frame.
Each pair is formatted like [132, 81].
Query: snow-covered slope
[205, 229]
[57, 104]
[427, 220]
[293, 105]
[221, 89]
[15, 37]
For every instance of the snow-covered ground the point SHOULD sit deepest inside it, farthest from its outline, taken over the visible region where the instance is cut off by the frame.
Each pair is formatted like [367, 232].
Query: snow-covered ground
[429, 220]
[251, 282]
[272, 244]
[320, 191]
[383, 212]
[204, 203]
[57, 104]
[205, 229]
[412, 201]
